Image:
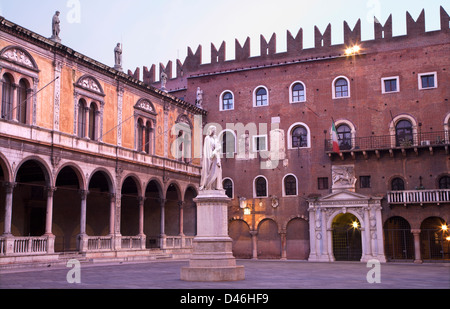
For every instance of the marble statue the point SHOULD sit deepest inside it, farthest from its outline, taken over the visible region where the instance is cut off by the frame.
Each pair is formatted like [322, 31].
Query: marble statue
[118, 56]
[211, 166]
[56, 29]
[199, 100]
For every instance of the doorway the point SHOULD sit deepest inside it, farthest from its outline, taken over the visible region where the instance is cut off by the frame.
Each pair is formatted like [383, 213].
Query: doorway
[347, 245]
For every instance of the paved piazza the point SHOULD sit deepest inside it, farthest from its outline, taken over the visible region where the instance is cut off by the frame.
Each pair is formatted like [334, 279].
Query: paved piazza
[261, 274]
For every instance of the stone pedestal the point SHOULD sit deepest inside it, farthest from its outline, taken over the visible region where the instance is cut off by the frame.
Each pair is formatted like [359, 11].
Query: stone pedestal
[212, 259]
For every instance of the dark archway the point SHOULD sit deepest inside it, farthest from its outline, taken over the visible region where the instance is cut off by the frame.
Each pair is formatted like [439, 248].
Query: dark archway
[66, 210]
[152, 214]
[297, 240]
[434, 243]
[172, 210]
[269, 240]
[347, 245]
[190, 213]
[239, 232]
[30, 199]
[98, 205]
[398, 239]
[129, 208]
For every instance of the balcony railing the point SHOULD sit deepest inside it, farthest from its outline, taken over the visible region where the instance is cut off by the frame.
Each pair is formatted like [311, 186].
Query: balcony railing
[67, 141]
[386, 142]
[419, 197]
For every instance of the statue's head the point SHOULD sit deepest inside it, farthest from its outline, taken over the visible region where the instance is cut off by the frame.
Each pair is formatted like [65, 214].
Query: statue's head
[57, 13]
[212, 130]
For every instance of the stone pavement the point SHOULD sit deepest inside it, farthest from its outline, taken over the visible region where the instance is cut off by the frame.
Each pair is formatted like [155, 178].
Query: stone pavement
[261, 274]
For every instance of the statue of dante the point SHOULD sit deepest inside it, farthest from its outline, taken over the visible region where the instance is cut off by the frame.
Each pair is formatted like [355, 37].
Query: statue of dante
[55, 26]
[211, 166]
[164, 78]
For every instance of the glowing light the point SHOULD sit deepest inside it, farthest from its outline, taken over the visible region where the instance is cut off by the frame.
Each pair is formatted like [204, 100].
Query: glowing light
[444, 228]
[247, 211]
[352, 50]
[448, 238]
[355, 225]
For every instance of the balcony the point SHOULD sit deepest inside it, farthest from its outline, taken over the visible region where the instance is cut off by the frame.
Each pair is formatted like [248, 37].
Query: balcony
[390, 144]
[419, 197]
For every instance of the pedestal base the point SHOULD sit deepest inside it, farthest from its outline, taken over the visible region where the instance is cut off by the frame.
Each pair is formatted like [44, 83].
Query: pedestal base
[212, 274]
[212, 259]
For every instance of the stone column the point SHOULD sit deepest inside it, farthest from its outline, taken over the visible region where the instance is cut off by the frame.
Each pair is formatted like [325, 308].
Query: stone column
[8, 207]
[418, 256]
[82, 237]
[49, 221]
[141, 221]
[181, 207]
[112, 213]
[283, 246]
[254, 244]
[13, 111]
[49, 214]
[212, 259]
[163, 224]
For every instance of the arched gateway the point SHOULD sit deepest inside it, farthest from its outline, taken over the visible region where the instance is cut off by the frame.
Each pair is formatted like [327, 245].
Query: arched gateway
[346, 226]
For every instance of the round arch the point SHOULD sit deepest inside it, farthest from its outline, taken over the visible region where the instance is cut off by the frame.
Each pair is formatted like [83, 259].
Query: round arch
[136, 181]
[297, 239]
[174, 186]
[291, 130]
[109, 178]
[333, 87]
[77, 170]
[269, 239]
[347, 234]
[239, 231]
[42, 164]
[6, 168]
[398, 239]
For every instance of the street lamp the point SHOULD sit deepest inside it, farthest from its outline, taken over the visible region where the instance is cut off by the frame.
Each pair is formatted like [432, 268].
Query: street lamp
[352, 50]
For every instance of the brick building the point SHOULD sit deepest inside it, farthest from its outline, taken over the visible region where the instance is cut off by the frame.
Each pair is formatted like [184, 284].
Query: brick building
[384, 194]
[88, 161]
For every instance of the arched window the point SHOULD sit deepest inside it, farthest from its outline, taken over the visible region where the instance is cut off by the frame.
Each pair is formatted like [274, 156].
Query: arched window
[345, 137]
[228, 187]
[398, 184]
[298, 93]
[92, 122]
[299, 137]
[227, 101]
[22, 101]
[261, 97]
[148, 138]
[140, 135]
[404, 133]
[341, 88]
[444, 182]
[260, 187]
[290, 185]
[81, 118]
[7, 96]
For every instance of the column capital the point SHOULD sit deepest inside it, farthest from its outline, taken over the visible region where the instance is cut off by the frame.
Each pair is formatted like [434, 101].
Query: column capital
[84, 194]
[416, 231]
[9, 186]
[50, 191]
[112, 196]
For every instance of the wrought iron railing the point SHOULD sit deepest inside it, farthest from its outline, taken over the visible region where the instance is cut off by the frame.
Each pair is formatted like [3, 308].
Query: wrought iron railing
[374, 142]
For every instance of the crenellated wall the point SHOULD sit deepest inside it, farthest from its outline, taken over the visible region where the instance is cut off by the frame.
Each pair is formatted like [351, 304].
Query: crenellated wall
[323, 47]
